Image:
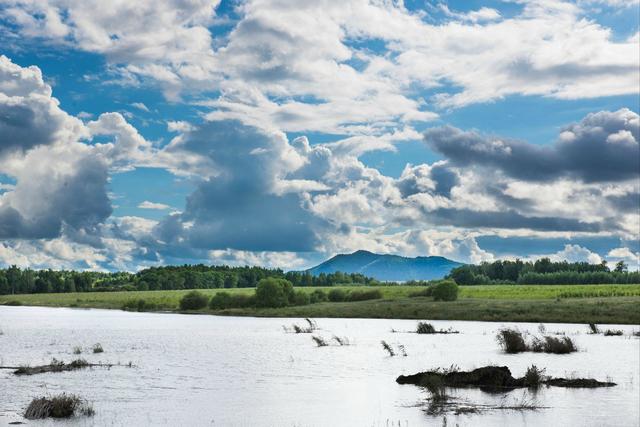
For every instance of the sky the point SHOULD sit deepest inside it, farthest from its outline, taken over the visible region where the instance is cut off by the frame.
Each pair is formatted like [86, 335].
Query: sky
[266, 132]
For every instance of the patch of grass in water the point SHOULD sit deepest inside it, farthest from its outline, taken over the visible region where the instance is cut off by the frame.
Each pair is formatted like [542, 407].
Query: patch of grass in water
[60, 406]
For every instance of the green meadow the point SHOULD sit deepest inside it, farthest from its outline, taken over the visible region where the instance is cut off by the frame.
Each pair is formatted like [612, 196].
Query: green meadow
[531, 303]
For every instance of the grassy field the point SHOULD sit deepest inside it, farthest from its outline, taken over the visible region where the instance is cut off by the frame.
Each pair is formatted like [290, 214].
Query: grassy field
[533, 303]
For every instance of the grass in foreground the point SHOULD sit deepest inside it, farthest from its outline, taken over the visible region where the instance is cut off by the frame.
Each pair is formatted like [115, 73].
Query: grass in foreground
[617, 304]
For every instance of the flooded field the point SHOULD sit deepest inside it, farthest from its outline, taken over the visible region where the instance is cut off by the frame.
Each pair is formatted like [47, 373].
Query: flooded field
[230, 371]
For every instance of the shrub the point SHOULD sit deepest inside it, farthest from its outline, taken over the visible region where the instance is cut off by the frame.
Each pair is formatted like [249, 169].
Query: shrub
[426, 292]
[511, 341]
[222, 300]
[301, 298]
[193, 300]
[447, 290]
[337, 295]
[364, 295]
[613, 333]
[318, 296]
[274, 293]
[425, 328]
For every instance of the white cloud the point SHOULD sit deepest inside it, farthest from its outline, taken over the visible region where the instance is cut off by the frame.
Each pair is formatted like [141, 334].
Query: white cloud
[151, 205]
[625, 254]
[140, 106]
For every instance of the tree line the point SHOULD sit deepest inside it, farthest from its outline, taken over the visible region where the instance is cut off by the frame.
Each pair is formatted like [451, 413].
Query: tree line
[14, 280]
[543, 272]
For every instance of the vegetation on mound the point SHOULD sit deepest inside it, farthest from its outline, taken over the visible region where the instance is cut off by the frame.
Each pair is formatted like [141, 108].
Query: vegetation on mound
[61, 406]
[54, 366]
[496, 378]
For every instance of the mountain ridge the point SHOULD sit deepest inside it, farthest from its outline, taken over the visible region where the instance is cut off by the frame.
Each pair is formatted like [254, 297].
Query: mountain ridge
[387, 267]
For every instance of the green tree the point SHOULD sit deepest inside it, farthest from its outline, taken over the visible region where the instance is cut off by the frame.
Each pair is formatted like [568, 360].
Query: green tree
[621, 267]
[272, 292]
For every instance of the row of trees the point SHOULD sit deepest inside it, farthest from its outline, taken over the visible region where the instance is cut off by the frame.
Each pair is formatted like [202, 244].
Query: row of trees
[543, 271]
[14, 280]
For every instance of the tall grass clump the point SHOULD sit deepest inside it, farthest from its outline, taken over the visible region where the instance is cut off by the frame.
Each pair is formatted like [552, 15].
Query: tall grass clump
[61, 406]
[194, 300]
[388, 348]
[320, 342]
[425, 328]
[511, 341]
[309, 328]
[534, 377]
[547, 344]
[342, 341]
[593, 328]
[613, 333]
[97, 348]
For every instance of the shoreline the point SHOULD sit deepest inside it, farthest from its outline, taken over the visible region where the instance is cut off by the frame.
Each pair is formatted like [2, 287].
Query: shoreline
[609, 310]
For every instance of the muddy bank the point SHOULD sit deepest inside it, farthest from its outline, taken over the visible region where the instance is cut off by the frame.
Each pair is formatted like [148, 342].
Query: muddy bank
[494, 378]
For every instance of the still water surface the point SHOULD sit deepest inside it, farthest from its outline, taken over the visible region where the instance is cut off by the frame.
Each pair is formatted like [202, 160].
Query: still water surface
[233, 371]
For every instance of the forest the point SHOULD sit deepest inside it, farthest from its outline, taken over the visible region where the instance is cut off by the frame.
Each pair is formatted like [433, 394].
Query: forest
[14, 280]
[543, 272]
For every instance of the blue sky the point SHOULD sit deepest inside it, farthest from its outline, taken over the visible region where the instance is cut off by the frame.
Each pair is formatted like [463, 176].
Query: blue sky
[248, 132]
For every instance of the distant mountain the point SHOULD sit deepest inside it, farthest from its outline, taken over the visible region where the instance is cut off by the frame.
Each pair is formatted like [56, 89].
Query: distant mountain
[387, 267]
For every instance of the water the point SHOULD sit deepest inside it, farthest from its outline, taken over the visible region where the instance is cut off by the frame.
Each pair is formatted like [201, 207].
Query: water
[230, 371]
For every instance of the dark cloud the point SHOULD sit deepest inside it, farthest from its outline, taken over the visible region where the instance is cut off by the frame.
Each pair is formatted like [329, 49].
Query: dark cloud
[507, 220]
[602, 147]
[76, 199]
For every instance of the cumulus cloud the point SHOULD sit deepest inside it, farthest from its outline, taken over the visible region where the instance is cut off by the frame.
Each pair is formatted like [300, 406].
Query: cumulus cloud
[60, 180]
[576, 253]
[29, 115]
[243, 203]
[167, 41]
[604, 146]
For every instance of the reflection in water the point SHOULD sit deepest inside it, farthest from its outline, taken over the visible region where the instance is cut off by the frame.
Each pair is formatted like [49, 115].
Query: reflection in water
[229, 371]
